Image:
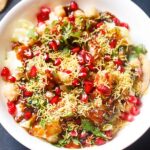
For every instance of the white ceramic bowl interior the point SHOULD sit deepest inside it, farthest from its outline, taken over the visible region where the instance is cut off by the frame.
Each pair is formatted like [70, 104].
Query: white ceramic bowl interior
[140, 30]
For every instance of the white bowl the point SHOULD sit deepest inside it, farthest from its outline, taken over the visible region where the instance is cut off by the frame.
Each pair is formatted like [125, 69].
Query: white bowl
[127, 11]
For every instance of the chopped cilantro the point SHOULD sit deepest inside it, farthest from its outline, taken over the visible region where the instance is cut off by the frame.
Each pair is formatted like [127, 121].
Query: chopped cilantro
[32, 34]
[62, 142]
[66, 51]
[89, 126]
[43, 122]
[76, 141]
[137, 50]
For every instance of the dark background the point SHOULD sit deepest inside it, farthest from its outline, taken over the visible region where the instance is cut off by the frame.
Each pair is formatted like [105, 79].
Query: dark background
[8, 143]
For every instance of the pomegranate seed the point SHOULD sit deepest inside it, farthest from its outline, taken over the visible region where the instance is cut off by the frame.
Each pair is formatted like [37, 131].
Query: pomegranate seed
[88, 86]
[99, 141]
[91, 67]
[27, 115]
[104, 90]
[54, 100]
[74, 133]
[45, 10]
[138, 103]
[11, 79]
[33, 72]
[81, 60]
[46, 57]
[84, 98]
[5, 72]
[118, 62]
[99, 24]
[27, 93]
[84, 69]
[134, 111]
[83, 52]
[89, 59]
[22, 88]
[53, 45]
[75, 82]
[57, 91]
[78, 121]
[133, 99]
[113, 43]
[83, 134]
[102, 32]
[67, 71]
[107, 57]
[11, 107]
[86, 143]
[43, 15]
[108, 133]
[37, 53]
[73, 6]
[122, 24]
[116, 21]
[75, 50]
[57, 62]
[71, 18]
[121, 69]
[82, 75]
[28, 54]
[127, 117]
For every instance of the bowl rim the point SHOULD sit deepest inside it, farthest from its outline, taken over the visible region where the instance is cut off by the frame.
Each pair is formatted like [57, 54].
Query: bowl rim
[4, 21]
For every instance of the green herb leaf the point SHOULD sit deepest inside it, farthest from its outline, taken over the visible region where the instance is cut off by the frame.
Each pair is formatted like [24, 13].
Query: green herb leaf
[140, 49]
[76, 34]
[43, 122]
[76, 141]
[62, 142]
[87, 125]
[137, 50]
[32, 34]
[66, 51]
[97, 132]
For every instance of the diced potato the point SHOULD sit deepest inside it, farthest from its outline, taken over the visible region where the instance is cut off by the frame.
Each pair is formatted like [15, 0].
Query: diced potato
[22, 23]
[49, 94]
[125, 34]
[92, 13]
[11, 57]
[50, 132]
[11, 91]
[60, 11]
[107, 127]
[41, 28]
[64, 77]
[19, 108]
[134, 62]
[21, 32]
[146, 73]
[79, 13]
[52, 17]
[38, 131]
[52, 139]
[25, 124]
[53, 128]
[92, 50]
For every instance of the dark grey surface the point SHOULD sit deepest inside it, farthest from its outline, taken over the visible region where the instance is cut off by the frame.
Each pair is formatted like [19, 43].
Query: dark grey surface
[9, 143]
